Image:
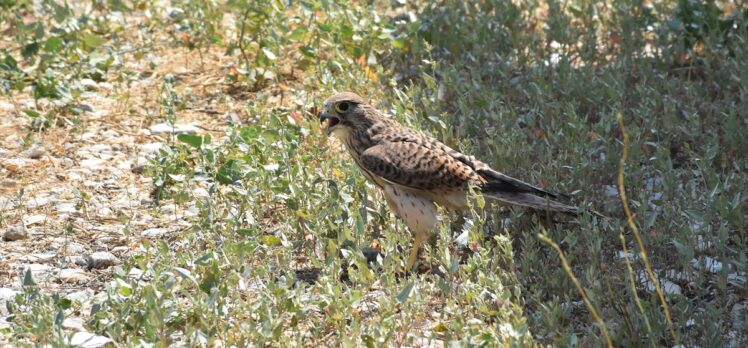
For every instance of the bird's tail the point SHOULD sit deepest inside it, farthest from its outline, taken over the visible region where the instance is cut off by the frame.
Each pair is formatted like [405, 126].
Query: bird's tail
[530, 200]
[506, 189]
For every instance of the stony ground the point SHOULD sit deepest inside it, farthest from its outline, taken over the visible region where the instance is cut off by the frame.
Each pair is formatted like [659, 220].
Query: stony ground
[75, 200]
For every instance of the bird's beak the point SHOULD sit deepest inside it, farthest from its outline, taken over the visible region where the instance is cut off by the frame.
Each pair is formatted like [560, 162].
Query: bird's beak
[332, 121]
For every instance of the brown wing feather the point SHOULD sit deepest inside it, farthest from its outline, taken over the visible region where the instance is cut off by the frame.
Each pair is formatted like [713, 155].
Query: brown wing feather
[413, 165]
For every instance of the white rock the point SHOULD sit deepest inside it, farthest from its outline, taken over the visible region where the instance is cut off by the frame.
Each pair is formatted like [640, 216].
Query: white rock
[42, 257]
[610, 191]
[89, 85]
[708, 264]
[88, 136]
[702, 244]
[739, 315]
[39, 272]
[88, 340]
[624, 255]
[73, 275]
[6, 295]
[6, 106]
[67, 162]
[667, 286]
[200, 192]
[38, 201]
[109, 134]
[737, 279]
[102, 259]
[73, 323]
[15, 232]
[7, 203]
[92, 163]
[35, 152]
[77, 260]
[95, 150]
[104, 212]
[154, 232]
[135, 273]
[66, 208]
[151, 148]
[17, 161]
[175, 129]
[192, 211]
[82, 296]
[29, 220]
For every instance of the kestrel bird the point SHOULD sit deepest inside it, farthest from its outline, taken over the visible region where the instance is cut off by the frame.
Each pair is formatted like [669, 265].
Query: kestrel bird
[415, 172]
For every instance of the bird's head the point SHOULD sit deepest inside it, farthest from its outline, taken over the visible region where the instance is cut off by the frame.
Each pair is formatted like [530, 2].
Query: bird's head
[344, 112]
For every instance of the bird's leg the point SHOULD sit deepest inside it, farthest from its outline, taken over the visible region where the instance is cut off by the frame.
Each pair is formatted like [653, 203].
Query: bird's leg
[420, 237]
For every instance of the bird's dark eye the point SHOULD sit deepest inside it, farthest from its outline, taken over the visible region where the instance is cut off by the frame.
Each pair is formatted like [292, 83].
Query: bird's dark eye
[342, 107]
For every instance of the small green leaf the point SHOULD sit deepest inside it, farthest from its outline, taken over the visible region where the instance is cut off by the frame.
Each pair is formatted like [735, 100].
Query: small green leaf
[53, 45]
[368, 341]
[8, 63]
[403, 295]
[299, 34]
[244, 232]
[307, 51]
[91, 41]
[28, 278]
[65, 303]
[398, 43]
[30, 50]
[193, 140]
[59, 318]
[119, 5]
[61, 12]
[31, 113]
[324, 27]
[125, 290]
[270, 240]
[228, 173]
[346, 31]
[185, 274]
[211, 278]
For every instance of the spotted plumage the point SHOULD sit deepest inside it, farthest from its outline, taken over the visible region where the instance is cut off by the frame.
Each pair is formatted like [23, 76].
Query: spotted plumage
[415, 172]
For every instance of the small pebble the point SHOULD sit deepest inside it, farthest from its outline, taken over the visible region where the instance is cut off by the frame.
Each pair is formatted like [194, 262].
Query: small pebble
[81, 296]
[39, 272]
[101, 259]
[35, 152]
[89, 85]
[73, 323]
[73, 275]
[154, 232]
[88, 340]
[77, 260]
[16, 232]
